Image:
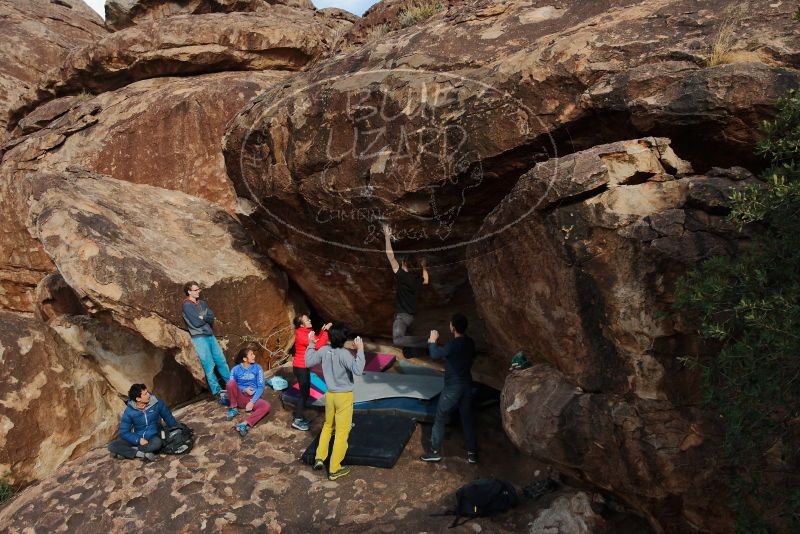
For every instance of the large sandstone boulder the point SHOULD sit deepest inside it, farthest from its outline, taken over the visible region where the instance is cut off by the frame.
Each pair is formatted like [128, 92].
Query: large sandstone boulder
[37, 36]
[430, 126]
[23, 262]
[123, 13]
[121, 356]
[54, 405]
[127, 249]
[159, 132]
[282, 39]
[590, 246]
[650, 454]
[163, 131]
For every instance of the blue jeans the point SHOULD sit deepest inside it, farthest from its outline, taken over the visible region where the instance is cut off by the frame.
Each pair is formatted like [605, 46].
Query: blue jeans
[457, 396]
[211, 357]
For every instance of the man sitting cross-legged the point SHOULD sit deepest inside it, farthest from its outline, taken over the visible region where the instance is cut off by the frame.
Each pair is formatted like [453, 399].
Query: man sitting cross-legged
[139, 430]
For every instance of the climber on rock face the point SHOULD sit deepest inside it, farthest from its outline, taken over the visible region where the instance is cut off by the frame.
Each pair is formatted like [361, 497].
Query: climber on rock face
[408, 282]
[200, 321]
[139, 432]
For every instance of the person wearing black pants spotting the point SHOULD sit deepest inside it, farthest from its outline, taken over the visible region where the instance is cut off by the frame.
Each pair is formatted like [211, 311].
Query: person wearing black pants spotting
[302, 324]
[456, 395]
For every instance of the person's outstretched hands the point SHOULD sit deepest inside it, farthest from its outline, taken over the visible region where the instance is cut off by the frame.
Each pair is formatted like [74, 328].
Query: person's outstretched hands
[387, 230]
[359, 343]
[312, 338]
[434, 337]
[327, 326]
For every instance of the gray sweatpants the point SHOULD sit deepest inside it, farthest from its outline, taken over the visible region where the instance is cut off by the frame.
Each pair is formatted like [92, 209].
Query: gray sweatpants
[402, 321]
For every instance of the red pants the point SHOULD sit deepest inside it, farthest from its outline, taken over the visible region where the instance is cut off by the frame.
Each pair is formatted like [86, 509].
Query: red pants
[240, 400]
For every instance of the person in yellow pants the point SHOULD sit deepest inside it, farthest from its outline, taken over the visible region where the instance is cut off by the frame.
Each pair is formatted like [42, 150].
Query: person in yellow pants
[338, 366]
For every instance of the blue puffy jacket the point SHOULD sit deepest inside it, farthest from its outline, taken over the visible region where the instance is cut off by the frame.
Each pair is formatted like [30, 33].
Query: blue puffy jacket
[136, 423]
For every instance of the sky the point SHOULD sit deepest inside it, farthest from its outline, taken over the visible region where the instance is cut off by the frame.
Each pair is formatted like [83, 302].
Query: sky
[353, 6]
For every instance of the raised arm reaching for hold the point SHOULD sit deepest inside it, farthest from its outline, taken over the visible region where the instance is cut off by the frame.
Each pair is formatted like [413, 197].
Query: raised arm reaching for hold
[387, 233]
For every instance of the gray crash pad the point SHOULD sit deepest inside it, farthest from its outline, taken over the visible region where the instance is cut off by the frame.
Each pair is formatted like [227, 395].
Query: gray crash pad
[374, 386]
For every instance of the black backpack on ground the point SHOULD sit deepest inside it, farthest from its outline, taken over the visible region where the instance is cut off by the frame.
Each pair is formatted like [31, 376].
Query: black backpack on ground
[483, 497]
[177, 439]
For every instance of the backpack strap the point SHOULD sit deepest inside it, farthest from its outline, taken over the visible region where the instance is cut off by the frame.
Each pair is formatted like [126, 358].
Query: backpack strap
[458, 518]
[443, 514]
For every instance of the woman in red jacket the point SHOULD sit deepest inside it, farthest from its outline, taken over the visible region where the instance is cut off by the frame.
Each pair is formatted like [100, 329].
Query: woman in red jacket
[302, 324]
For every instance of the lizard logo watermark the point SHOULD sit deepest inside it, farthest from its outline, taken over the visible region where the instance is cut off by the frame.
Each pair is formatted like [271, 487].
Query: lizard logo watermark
[402, 147]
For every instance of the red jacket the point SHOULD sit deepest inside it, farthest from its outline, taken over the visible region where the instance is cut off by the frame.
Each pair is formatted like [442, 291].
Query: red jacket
[301, 344]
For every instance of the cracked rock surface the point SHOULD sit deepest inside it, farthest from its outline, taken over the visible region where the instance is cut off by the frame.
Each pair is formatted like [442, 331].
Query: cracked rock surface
[257, 484]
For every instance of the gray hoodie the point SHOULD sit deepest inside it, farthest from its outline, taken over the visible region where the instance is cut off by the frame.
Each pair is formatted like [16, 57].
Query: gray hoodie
[199, 318]
[338, 366]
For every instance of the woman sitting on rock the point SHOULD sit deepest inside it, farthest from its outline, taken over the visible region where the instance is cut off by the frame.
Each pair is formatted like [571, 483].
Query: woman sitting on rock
[244, 390]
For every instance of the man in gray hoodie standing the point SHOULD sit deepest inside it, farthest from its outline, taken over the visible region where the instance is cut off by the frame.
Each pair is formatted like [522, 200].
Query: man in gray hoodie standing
[338, 367]
[200, 322]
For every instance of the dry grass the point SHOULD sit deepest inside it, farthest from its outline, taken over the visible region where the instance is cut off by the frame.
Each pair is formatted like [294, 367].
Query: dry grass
[413, 14]
[376, 32]
[740, 56]
[337, 39]
[723, 49]
[418, 13]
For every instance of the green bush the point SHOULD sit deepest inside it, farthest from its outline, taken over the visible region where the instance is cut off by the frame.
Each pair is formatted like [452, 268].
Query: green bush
[749, 306]
[6, 491]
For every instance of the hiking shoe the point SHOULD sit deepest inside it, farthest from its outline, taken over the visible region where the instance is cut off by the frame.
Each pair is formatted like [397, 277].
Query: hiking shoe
[318, 464]
[149, 457]
[299, 424]
[472, 457]
[432, 456]
[243, 429]
[233, 412]
[339, 474]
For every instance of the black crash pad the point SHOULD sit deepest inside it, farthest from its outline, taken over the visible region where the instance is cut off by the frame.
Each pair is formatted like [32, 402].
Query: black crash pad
[376, 440]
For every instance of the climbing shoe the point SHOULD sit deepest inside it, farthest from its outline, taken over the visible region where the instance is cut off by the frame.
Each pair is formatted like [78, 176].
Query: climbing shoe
[432, 456]
[222, 398]
[318, 464]
[472, 457]
[339, 474]
[233, 412]
[299, 424]
[242, 428]
[149, 457]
